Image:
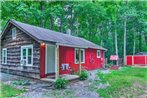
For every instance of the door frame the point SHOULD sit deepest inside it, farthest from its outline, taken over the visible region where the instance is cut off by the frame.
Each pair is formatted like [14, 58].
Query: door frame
[26, 47]
[47, 58]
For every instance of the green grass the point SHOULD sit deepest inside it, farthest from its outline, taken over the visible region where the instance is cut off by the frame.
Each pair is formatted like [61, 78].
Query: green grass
[128, 82]
[8, 91]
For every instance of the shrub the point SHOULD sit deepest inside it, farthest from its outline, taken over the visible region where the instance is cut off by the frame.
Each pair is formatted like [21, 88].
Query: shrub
[61, 83]
[83, 75]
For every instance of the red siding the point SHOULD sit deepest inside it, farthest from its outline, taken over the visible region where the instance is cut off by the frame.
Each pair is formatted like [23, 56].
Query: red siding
[42, 60]
[136, 60]
[146, 60]
[139, 60]
[129, 60]
[67, 55]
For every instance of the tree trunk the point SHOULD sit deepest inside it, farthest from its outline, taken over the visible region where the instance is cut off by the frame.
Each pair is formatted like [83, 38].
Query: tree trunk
[116, 46]
[134, 44]
[61, 25]
[51, 22]
[140, 42]
[145, 39]
[42, 7]
[125, 23]
[71, 18]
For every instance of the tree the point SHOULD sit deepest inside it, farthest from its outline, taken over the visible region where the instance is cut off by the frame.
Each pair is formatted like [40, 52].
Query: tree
[118, 26]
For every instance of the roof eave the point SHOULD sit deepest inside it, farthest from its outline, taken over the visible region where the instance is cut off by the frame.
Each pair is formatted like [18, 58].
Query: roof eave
[10, 21]
[68, 45]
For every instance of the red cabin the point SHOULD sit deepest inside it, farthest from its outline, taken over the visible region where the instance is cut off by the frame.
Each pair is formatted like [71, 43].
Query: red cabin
[37, 52]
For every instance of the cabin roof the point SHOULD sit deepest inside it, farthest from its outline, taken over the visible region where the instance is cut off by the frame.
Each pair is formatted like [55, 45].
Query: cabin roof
[141, 53]
[46, 35]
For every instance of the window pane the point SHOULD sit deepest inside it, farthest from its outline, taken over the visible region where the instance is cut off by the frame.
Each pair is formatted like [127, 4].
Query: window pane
[29, 52]
[24, 53]
[4, 58]
[13, 33]
[30, 60]
[82, 54]
[77, 56]
[4, 53]
[98, 53]
[29, 55]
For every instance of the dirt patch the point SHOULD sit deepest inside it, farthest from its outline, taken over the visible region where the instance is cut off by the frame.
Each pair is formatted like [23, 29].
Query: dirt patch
[141, 89]
[143, 96]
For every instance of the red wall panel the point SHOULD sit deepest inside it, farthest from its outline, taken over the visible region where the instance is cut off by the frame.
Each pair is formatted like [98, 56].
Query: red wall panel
[136, 60]
[139, 60]
[146, 60]
[129, 60]
[66, 55]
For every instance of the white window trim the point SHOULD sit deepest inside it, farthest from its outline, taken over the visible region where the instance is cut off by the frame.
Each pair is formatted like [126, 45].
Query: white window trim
[27, 46]
[76, 49]
[14, 32]
[3, 55]
[98, 56]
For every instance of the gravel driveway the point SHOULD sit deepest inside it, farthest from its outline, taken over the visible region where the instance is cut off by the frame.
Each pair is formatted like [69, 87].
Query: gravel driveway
[8, 77]
[39, 89]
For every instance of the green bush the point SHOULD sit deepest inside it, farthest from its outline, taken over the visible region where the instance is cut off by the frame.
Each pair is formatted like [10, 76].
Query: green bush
[61, 83]
[83, 75]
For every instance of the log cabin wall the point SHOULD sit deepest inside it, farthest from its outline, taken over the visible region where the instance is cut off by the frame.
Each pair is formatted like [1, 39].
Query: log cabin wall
[14, 54]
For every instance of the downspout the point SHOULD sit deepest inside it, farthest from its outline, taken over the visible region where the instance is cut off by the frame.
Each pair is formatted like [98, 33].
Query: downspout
[57, 62]
[80, 67]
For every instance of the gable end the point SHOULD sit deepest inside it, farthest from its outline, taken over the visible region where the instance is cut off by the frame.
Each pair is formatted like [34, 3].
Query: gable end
[11, 23]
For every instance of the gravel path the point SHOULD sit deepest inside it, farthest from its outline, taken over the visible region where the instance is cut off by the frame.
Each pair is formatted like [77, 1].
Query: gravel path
[74, 90]
[8, 77]
[39, 89]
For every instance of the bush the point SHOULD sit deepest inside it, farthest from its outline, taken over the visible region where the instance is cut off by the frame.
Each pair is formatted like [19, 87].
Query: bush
[83, 75]
[61, 83]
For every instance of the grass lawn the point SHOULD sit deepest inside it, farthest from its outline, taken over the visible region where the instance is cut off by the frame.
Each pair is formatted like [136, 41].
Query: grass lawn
[128, 82]
[8, 91]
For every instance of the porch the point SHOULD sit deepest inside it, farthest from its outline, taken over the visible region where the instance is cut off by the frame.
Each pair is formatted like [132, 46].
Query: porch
[49, 64]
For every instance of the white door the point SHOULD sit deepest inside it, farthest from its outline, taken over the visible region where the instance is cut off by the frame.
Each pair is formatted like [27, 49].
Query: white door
[50, 58]
[27, 55]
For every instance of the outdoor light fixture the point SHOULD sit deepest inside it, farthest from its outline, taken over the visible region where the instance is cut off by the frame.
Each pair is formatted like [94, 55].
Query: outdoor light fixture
[42, 44]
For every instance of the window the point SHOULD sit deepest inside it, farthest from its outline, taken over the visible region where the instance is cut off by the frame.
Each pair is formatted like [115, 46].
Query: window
[98, 53]
[77, 55]
[27, 55]
[13, 33]
[4, 56]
